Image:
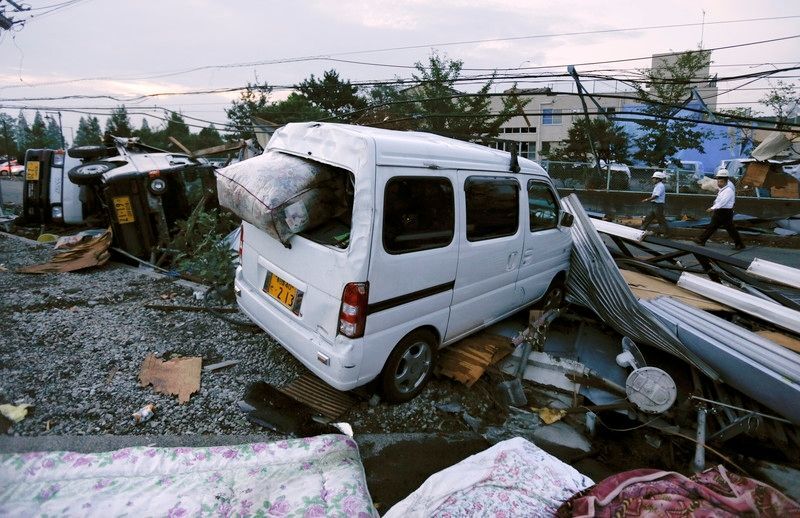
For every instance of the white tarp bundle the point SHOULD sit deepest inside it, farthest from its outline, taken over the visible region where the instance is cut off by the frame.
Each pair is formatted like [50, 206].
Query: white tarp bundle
[282, 194]
[512, 478]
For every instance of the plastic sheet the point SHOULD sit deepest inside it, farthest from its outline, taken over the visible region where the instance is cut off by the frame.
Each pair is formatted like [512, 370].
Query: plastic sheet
[281, 194]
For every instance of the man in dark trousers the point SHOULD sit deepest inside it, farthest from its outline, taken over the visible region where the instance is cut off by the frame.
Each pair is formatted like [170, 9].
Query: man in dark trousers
[657, 200]
[722, 212]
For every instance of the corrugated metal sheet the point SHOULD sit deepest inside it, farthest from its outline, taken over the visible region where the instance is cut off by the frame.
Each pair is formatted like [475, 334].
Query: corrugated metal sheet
[775, 272]
[754, 365]
[595, 282]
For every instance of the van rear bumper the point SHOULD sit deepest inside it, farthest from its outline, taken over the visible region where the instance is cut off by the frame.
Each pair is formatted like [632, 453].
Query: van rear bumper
[343, 369]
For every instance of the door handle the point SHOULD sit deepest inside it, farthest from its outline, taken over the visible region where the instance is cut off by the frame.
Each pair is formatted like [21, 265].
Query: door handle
[512, 261]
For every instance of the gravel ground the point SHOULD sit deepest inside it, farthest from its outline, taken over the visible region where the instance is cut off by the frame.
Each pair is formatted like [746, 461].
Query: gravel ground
[72, 345]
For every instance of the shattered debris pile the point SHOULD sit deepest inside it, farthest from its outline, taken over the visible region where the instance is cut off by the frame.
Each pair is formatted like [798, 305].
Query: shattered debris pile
[734, 325]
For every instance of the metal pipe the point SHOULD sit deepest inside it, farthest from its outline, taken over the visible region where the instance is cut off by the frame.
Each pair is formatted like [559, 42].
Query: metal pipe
[734, 407]
[699, 462]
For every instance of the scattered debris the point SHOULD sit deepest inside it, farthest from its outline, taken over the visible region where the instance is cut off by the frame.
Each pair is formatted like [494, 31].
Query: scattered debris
[143, 414]
[550, 415]
[194, 309]
[647, 287]
[86, 254]
[312, 391]
[269, 407]
[467, 360]
[67, 242]
[15, 413]
[221, 365]
[179, 376]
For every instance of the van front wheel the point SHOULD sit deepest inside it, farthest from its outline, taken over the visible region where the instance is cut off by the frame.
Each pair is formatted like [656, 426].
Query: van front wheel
[409, 367]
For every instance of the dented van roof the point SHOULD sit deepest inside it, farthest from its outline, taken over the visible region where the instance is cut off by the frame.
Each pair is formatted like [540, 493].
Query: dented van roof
[348, 146]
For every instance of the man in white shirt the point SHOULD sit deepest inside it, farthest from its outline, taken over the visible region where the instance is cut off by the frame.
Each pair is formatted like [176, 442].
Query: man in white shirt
[657, 200]
[722, 212]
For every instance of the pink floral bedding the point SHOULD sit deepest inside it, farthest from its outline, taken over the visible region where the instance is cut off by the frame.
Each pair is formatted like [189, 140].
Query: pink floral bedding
[317, 476]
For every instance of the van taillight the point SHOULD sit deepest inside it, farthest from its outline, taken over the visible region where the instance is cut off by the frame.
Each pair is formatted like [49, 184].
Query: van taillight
[241, 241]
[353, 312]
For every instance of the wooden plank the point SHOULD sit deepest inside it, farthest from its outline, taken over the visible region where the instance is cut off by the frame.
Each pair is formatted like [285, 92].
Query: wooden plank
[219, 149]
[467, 360]
[180, 146]
[648, 287]
[781, 339]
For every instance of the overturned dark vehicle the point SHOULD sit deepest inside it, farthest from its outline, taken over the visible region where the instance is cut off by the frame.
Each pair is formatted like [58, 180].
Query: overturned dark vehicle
[144, 190]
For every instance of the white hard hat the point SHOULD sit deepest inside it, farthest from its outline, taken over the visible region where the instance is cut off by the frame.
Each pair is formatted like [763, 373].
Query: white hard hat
[659, 174]
[723, 173]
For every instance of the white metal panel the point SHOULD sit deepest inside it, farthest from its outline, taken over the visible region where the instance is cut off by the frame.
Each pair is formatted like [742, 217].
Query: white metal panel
[768, 311]
[775, 272]
[615, 229]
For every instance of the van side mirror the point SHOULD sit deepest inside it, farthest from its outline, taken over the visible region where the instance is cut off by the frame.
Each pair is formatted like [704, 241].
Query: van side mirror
[567, 219]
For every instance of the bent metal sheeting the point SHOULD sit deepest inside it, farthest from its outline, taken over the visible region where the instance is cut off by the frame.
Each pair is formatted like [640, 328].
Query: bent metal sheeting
[595, 282]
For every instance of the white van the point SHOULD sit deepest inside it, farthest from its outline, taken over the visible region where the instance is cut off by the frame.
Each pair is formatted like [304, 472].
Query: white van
[440, 239]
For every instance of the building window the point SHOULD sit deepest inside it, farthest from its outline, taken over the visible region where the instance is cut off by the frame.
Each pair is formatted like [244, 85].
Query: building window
[492, 207]
[418, 214]
[551, 116]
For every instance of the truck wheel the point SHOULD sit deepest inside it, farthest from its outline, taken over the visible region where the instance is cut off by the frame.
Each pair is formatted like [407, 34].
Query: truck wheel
[88, 152]
[89, 173]
[409, 367]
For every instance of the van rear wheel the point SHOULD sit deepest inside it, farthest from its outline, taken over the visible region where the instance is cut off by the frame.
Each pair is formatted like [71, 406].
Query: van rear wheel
[409, 367]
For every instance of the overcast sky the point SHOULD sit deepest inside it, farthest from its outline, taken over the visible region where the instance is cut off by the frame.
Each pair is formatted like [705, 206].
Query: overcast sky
[123, 48]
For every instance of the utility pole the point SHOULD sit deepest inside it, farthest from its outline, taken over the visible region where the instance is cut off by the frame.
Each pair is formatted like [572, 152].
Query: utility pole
[6, 22]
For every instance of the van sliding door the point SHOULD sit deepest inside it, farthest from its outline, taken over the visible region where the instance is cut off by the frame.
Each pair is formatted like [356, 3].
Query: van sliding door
[490, 249]
[414, 249]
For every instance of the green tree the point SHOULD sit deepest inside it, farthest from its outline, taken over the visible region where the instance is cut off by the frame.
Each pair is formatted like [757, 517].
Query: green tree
[610, 140]
[88, 133]
[254, 101]
[335, 96]
[38, 135]
[8, 147]
[208, 137]
[663, 91]
[436, 106]
[783, 99]
[118, 124]
[179, 130]
[144, 133]
[22, 135]
[53, 134]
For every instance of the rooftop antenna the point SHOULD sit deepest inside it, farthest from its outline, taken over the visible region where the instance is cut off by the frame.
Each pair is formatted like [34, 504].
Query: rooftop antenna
[702, 28]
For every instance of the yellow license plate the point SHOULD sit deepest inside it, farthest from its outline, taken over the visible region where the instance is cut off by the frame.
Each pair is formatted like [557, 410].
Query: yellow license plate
[123, 209]
[32, 171]
[283, 292]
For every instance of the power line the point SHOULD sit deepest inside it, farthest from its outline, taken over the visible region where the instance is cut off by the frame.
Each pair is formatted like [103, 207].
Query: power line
[330, 56]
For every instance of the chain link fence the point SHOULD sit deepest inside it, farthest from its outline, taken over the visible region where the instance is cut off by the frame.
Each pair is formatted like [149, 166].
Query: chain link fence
[620, 177]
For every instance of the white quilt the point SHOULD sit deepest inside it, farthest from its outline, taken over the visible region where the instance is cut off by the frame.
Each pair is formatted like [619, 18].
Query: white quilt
[317, 476]
[512, 478]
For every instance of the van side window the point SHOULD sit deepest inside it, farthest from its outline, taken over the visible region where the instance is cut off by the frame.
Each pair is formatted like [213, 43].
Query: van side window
[418, 214]
[492, 207]
[543, 206]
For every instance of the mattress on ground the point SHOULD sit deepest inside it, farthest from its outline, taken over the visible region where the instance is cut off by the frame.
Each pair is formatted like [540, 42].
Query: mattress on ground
[512, 478]
[316, 476]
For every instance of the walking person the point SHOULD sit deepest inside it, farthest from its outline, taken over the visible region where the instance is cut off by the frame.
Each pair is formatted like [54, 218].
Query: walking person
[722, 212]
[657, 200]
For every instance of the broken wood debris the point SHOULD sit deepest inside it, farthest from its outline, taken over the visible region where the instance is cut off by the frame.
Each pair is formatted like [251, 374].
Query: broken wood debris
[178, 376]
[315, 393]
[467, 360]
[85, 254]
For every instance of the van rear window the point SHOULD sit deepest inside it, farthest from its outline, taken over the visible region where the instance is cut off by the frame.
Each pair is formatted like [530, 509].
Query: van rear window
[418, 214]
[492, 207]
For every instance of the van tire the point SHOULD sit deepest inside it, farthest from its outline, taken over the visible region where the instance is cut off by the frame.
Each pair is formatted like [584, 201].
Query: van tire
[409, 367]
[88, 152]
[553, 297]
[90, 172]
